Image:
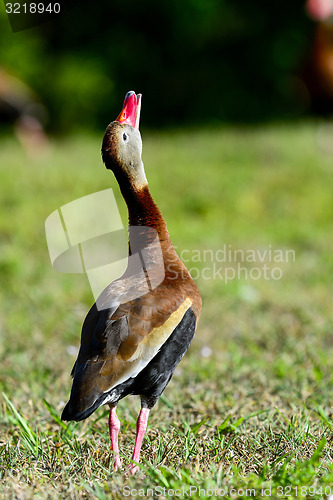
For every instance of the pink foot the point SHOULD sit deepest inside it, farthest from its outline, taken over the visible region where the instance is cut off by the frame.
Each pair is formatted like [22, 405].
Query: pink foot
[134, 469]
[117, 463]
[114, 427]
[141, 427]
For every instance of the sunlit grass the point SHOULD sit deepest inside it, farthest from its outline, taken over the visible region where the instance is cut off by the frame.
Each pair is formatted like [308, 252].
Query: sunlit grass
[250, 406]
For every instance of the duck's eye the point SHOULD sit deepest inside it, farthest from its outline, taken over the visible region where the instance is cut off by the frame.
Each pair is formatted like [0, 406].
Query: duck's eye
[125, 137]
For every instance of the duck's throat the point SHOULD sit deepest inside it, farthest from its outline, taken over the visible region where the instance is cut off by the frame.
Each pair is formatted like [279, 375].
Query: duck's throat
[146, 224]
[142, 210]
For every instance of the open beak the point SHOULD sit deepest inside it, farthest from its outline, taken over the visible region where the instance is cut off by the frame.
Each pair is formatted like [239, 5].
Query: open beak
[130, 113]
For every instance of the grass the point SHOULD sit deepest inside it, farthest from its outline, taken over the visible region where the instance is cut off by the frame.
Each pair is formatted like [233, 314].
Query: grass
[249, 409]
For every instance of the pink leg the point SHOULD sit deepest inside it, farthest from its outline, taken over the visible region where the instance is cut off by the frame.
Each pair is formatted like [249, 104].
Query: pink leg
[141, 427]
[114, 427]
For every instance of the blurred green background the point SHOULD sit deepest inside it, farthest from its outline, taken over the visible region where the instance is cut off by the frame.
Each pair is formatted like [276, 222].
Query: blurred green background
[193, 61]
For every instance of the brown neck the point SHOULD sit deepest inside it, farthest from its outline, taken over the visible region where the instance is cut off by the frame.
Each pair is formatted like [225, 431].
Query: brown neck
[143, 214]
[142, 210]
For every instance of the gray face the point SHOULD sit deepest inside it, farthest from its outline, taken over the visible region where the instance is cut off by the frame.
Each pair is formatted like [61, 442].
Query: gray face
[122, 148]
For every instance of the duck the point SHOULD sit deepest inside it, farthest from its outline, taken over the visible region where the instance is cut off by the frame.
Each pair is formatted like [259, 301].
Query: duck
[142, 324]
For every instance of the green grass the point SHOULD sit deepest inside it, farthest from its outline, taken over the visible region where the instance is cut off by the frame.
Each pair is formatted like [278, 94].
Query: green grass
[250, 406]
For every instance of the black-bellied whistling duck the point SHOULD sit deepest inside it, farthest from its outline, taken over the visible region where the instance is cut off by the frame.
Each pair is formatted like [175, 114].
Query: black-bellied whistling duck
[133, 338]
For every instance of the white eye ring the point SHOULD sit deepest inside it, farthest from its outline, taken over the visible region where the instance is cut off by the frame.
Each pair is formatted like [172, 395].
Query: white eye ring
[125, 137]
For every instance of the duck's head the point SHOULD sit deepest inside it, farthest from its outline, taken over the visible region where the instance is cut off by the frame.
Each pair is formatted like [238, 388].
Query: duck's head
[122, 145]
